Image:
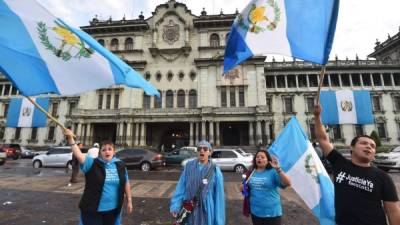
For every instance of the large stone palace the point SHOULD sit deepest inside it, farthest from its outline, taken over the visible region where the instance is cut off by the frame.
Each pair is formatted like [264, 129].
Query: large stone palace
[181, 54]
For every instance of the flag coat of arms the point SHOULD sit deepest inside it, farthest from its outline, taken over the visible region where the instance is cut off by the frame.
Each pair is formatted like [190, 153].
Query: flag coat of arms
[346, 107]
[306, 171]
[300, 29]
[22, 113]
[40, 53]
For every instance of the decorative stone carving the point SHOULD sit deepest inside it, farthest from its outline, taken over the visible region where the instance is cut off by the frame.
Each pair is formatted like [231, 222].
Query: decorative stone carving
[171, 32]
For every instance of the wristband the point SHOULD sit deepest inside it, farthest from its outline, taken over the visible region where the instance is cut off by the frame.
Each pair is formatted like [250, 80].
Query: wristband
[279, 170]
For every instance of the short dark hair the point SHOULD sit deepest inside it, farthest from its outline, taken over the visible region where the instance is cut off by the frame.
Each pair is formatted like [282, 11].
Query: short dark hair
[354, 141]
[107, 142]
[269, 158]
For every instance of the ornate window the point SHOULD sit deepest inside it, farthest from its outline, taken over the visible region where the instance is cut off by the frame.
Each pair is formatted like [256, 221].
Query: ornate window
[358, 129]
[114, 44]
[17, 135]
[129, 44]
[147, 75]
[376, 103]
[116, 101]
[181, 75]
[376, 77]
[214, 40]
[232, 97]
[241, 96]
[51, 132]
[158, 76]
[72, 106]
[192, 99]
[396, 103]
[223, 96]
[2, 132]
[181, 99]
[5, 111]
[345, 80]
[366, 78]
[381, 127]
[268, 103]
[302, 80]
[54, 109]
[226, 39]
[158, 101]
[101, 41]
[169, 99]
[170, 75]
[337, 132]
[270, 81]
[192, 75]
[146, 101]
[100, 102]
[355, 78]
[288, 104]
[108, 101]
[310, 102]
[34, 133]
[291, 80]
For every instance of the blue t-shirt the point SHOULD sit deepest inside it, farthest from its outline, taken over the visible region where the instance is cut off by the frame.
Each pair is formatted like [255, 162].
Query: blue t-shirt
[265, 200]
[109, 196]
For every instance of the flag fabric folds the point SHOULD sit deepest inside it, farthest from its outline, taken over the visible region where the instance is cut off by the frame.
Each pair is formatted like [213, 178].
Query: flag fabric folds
[40, 53]
[306, 171]
[300, 29]
[22, 113]
[346, 107]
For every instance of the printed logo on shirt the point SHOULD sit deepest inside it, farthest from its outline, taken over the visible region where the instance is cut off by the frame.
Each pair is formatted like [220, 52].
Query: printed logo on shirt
[112, 175]
[258, 183]
[357, 182]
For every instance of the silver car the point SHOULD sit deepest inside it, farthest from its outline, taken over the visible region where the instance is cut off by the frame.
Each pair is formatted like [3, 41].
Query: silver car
[54, 157]
[230, 159]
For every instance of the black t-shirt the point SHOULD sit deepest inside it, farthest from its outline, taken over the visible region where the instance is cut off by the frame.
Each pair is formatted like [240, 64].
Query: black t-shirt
[359, 192]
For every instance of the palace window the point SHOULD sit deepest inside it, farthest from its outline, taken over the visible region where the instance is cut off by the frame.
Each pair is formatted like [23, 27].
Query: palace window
[100, 102]
[108, 101]
[366, 79]
[355, 78]
[281, 81]
[291, 80]
[54, 109]
[72, 106]
[116, 101]
[302, 79]
[214, 40]
[241, 96]
[270, 81]
[129, 44]
[158, 101]
[345, 80]
[359, 129]
[2, 132]
[5, 111]
[337, 132]
[326, 81]
[396, 102]
[387, 79]
[101, 41]
[114, 44]
[146, 101]
[376, 77]
[288, 104]
[376, 103]
[268, 103]
[34, 133]
[192, 99]
[51, 132]
[181, 99]
[310, 104]
[169, 99]
[313, 80]
[381, 127]
[396, 78]
[334, 80]
[232, 97]
[17, 135]
[7, 88]
[223, 96]
[312, 131]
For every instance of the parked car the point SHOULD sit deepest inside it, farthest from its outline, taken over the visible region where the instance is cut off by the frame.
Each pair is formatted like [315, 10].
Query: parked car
[142, 158]
[177, 156]
[54, 157]
[387, 161]
[229, 159]
[27, 153]
[12, 150]
[3, 157]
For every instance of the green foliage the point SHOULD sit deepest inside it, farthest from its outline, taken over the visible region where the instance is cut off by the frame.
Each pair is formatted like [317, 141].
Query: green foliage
[375, 137]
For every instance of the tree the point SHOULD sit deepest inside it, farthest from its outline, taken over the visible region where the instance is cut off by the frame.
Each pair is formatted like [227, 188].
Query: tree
[376, 138]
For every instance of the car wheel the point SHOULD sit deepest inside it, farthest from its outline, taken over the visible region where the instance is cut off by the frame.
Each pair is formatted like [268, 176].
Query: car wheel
[240, 169]
[37, 164]
[69, 165]
[145, 166]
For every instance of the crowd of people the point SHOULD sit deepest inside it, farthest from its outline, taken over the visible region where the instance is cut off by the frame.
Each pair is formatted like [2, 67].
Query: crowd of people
[364, 195]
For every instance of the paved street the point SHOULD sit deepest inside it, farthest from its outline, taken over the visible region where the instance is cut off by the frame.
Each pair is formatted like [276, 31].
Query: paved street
[41, 196]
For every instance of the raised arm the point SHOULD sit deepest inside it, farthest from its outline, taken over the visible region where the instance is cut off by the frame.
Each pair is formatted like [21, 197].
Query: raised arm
[74, 147]
[320, 132]
[392, 211]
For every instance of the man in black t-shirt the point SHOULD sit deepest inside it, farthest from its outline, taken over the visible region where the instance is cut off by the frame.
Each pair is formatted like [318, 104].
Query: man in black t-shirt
[363, 194]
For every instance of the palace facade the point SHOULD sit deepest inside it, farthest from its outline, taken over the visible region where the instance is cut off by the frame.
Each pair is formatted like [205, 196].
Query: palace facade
[181, 54]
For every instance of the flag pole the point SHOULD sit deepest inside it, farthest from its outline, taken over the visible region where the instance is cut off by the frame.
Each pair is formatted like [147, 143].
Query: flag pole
[45, 112]
[321, 80]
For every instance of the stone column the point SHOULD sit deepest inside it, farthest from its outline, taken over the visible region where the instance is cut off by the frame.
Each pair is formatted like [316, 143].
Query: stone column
[196, 140]
[217, 141]
[267, 132]
[90, 133]
[79, 132]
[136, 141]
[251, 136]
[258, 132]
[143, 135]
[129, 134]
[203, 130]
[211, 133]
[191, 134]
[121, 133]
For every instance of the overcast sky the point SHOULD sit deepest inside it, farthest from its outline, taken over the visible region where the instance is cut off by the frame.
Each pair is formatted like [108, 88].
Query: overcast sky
[360, 22]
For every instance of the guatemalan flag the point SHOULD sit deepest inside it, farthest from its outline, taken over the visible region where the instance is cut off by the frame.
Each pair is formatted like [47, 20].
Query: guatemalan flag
[303, 29]
[346, 107]
[307, 174]
[22, 113]
[40, 53]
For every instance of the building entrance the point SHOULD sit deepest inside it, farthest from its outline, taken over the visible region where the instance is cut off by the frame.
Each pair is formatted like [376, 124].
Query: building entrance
[104, 131]
[234, 133]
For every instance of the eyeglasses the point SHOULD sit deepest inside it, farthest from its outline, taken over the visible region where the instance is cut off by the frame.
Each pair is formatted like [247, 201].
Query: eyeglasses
[200, 148]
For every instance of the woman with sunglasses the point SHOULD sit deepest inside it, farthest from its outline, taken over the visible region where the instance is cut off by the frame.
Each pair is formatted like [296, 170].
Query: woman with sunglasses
[106, 185]
[200, 174]
[264, 181]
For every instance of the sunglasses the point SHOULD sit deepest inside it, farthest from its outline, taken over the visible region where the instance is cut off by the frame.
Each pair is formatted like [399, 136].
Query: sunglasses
[200, 148]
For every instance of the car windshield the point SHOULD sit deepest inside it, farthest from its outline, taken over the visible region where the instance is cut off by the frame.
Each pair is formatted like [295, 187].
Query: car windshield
[397, 149]
[243, 153]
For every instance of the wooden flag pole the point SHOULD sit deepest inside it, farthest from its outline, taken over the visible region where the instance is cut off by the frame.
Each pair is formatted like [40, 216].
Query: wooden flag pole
[321, 80]
[47, 113]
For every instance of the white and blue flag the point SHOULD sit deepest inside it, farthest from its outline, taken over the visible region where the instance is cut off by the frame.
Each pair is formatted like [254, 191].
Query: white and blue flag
[40, 53]
[306, 171]
[22, 113]
[346, 107]
[300, 29]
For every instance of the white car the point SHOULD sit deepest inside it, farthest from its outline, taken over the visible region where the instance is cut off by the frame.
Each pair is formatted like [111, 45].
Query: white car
[54, 157]
[229, 160]
[387, 161]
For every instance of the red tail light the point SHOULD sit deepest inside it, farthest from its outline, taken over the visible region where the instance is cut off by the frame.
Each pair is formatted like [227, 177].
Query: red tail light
[158, 157]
